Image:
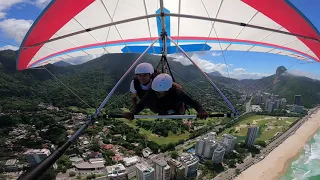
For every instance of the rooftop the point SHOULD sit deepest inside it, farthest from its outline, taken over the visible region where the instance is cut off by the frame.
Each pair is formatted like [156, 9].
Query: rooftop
[144, 167]
[87, 165]
[131, 160]
[76, 159]
[11, 162]
[228, 136]
[37, 151]
[116, 170]
[188, 159]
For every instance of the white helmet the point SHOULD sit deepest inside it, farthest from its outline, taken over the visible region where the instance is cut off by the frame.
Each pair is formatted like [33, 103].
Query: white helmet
[144, 68]
[162, 82]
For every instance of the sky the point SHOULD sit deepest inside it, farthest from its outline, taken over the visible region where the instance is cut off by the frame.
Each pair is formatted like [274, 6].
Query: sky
[17, 16]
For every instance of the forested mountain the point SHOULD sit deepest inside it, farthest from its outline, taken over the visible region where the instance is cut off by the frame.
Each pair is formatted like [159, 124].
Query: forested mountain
[93, 80]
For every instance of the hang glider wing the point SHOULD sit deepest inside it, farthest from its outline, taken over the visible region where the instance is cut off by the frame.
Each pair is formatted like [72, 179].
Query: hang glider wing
[68, 29]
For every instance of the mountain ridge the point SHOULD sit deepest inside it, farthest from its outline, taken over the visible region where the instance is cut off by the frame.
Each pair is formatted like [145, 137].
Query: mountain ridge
[98, 76]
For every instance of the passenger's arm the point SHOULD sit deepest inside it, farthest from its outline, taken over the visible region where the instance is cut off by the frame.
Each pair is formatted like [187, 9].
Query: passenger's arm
[134, 95]
[177, 85]
[134, 100]
[141, 104]
[190, 101]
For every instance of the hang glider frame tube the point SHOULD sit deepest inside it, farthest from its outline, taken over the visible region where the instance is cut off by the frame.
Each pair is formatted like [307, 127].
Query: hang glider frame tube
[239, 24]
[170, 116]
[49, 161]
[121, 79]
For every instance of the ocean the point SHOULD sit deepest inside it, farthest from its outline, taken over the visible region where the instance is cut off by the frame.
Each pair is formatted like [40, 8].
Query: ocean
[306, 166]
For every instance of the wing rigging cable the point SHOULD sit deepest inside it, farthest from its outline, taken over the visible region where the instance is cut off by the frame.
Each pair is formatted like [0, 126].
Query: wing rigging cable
[166, 32]
[67, 87]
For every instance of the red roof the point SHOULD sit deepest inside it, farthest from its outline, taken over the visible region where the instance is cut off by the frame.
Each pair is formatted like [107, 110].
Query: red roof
[108, 146]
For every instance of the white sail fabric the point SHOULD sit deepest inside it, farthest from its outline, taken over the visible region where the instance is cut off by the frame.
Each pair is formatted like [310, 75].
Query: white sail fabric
[51, 37]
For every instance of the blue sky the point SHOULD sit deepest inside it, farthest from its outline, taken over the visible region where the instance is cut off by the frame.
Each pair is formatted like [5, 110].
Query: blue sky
[20, 14]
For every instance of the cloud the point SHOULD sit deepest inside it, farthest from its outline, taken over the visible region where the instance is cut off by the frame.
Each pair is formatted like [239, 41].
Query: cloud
[2, 15]
[205, 65]
[216, 54]
[299, 72]
[6, 4]
[41, 3]
[82, 59]
[15, 28]
[9, 47]
[241, 73]
[239, 70]
[208, 67]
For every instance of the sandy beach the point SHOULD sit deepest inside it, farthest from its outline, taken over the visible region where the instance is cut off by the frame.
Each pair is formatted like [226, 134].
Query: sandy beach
[274, 165]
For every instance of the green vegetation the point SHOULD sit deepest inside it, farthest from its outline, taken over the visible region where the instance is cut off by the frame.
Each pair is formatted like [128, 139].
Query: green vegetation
[210, 170]
[269, 126]
[163, 127]
[174, 154]
[64, 163]
[92, 81]
[170, 138]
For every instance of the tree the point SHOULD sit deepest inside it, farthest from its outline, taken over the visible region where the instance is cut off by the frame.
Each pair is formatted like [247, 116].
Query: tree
[237, 171]
[72, 174]
[232, 163]
[95, 147]
[170, 147]
[261, 143]
[107, 153]
[50, 174]
[174, 154]
[64, 170]
[64, 161]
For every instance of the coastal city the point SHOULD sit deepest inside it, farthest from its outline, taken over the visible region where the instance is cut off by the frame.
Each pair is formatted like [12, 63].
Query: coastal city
[225, 154]
[159, 90]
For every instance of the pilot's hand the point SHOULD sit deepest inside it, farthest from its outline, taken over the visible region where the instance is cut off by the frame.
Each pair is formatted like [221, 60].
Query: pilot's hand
[128, 115]
[202, 114]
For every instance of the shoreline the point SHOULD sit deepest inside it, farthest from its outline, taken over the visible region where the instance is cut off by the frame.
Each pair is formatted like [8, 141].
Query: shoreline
[276, 163]
[290, 160]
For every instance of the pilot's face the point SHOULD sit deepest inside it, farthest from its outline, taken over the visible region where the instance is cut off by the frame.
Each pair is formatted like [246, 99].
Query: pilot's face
[144, 78]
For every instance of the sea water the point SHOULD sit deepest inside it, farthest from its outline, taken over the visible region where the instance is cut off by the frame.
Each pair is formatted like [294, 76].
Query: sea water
[307, 164]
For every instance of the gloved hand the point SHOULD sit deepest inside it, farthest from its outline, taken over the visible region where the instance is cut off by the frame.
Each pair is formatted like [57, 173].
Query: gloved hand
[128, 115]
[202, 114]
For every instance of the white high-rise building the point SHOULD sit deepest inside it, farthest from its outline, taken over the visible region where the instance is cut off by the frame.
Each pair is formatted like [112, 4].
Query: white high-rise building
[209, 147]
[218, 154]
[270, 107]
[191, 164]
[283, 103]
[274, 97]
[276, 104]
[267, 104]
[35, 156]
[258, 98]
[229, 142]
[145, 172]
[177, 170]
[296, 108]
[162, 169]
[200, 147]
[212, 135]
[205, 145]
[252, 135]
[265, 96]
